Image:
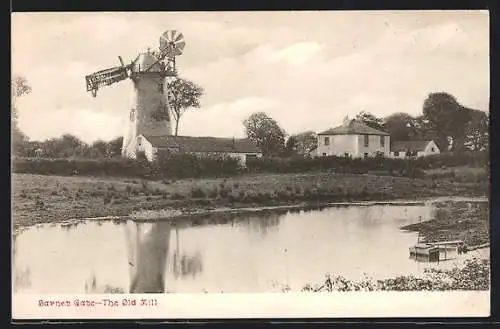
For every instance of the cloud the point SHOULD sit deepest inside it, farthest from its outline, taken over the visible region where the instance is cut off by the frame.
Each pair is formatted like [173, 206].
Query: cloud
[210, 121]
[297, 54]
[307, 70]
[86, 124]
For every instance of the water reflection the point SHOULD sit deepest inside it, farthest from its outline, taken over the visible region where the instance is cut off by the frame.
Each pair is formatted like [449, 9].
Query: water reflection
[221, 252]
[22, 276]
[147, 246]
[22, 279]
[183, 264]
[261, 224]
[445, 254]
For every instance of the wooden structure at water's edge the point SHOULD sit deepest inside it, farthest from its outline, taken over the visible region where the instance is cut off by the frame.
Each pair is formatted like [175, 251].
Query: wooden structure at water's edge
[432, 251]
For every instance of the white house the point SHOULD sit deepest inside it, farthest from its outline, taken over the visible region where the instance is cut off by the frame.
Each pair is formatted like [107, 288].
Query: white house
[403, 149]
[353, 139]
[241, 149]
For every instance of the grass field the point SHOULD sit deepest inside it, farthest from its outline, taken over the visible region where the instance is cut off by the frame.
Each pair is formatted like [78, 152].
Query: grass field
[38, 198]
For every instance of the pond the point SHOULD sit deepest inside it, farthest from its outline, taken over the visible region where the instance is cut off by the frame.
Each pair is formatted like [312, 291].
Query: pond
[258, 252]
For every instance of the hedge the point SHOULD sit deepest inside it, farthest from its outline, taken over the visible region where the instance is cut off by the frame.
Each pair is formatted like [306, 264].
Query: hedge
[390, 166]
[181, 166]
[190, 166]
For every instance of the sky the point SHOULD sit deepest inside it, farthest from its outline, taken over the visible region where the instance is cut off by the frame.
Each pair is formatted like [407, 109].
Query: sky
[307, 70]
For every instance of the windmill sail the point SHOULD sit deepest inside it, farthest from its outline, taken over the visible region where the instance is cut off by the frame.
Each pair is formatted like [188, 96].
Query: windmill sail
[105, 78]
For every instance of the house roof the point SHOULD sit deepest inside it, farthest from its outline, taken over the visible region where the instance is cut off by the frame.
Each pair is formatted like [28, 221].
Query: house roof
[412, 146]
[204, 144]
[354, 128]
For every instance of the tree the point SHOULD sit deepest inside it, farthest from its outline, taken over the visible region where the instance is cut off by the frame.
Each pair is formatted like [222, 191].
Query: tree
[182, 95]
[291, 146]
[19, 88]
[115, 147]
[424, 129]
[448, 118]
[65, 146]
[305, 142]
[401, 126]
[99, 149]
[370, 120]
[477, 135]
[265, 132]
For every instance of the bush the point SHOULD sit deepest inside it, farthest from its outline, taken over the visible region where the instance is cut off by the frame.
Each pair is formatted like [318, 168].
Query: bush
[190, 166]
[177, 196]
[378, 165]
[197, 193]
[166, 166]
[223, 192]
[473, 275]
[178, 166]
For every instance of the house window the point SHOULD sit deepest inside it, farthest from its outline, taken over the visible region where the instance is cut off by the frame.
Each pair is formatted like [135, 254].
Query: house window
[324, 154]
[382, 141]
[160, 87]
[432, 149]
[396, 154]
[346, 155]
[365, 155]
[367, 141]
[139, 141]
[327, 141]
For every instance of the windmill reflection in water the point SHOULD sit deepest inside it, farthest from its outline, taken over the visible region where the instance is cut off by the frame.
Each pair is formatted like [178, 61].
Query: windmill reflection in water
[148, 256]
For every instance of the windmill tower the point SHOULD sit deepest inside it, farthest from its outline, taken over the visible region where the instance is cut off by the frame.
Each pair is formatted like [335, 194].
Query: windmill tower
[148, 113]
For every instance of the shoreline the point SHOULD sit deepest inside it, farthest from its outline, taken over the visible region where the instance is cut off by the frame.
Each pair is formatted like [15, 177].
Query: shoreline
[152, 216]
[55, 199]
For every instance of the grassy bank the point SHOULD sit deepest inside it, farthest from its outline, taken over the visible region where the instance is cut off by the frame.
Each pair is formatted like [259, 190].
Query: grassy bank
[473, 275]
[464, 221]
[39, 198]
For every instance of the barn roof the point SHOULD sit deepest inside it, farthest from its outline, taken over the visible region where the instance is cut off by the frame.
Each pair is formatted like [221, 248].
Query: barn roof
[204, 144]
[354, 128]
[412, 146]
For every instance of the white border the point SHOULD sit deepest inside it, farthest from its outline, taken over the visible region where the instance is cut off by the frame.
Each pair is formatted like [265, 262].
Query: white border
[278, 305]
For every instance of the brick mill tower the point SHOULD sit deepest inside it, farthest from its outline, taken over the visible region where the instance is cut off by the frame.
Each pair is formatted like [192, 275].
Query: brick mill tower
[148, 113]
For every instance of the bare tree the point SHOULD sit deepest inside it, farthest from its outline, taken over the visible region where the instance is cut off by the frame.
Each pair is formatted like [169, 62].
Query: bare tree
[19, 87]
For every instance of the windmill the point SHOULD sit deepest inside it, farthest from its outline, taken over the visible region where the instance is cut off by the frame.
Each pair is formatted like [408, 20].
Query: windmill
[148, 114]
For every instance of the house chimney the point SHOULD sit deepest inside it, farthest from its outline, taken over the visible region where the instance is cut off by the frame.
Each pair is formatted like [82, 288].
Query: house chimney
[346, 121]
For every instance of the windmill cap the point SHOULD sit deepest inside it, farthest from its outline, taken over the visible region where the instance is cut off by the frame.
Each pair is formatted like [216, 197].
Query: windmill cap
[144, 61]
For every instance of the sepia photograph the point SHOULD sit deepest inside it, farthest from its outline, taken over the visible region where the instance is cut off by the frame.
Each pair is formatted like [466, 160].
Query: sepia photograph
[295, 153]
